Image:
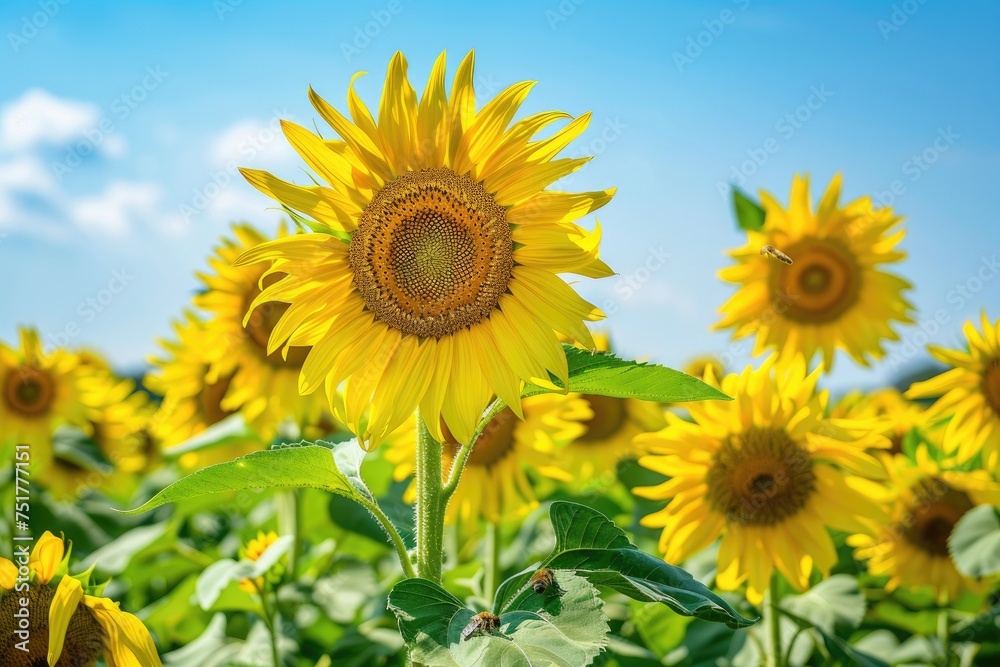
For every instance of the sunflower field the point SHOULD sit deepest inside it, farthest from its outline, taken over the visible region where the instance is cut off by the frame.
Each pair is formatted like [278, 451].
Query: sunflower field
[391, 432]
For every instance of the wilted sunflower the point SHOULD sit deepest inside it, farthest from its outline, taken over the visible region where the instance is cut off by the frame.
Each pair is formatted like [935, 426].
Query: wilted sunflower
[765, 471]
[610, 432]
[970, 393]
[64, 632]
[495, 484]
[38, 392]
[263, 382]
[436, 283]
[192, 394]
[833, 295]
[928, 500]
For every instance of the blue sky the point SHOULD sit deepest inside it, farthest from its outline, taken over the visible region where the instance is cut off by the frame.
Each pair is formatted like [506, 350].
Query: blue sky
[120, 125]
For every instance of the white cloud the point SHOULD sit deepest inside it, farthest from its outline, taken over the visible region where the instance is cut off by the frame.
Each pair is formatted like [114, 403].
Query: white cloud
[40, 118]
[252, 143]
[114, 210]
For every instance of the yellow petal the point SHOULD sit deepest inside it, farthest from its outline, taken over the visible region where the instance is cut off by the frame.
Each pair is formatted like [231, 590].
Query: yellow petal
[46, 557]
[64, 604]
[127, 640]
[8, 574]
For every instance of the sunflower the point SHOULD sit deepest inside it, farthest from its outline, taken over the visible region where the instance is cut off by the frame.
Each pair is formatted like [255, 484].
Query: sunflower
[64, 632]
[970, 393]
[610, 431]
[832, 295]
[38, 392]
[117, 415]
[928, 499]
[698, 366]
[253, 550]
[264, 382]
[495, 484]
[896, 415]
[435, 284]
[765, 471]
[192, 394]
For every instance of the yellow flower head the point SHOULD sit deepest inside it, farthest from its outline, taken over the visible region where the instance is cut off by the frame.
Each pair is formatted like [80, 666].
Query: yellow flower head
[970, 394]
[928, 499]
[264, 380]
[436, 283]
[193, 394]
[832, 295]
[38, 392]
[765, 471]
[253, 550]
[495, 484]
[80, 629]
[889, 412]
[610, 432]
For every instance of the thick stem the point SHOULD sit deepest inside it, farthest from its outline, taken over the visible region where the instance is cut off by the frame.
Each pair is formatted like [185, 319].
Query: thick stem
[774, 613]
[430, 504]
[394, 537]
[493, 562]
[289, 511]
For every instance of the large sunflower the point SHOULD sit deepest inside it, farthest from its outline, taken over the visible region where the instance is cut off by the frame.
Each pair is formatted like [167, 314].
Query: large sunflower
[610, 432]
[263, 382]
[970, 393]
[495, 484]
[765, 471]
[38, 392]
[192, 394]
[832, 295]
[897, 417]
[928, 500]
[69, 628]
[437, 281]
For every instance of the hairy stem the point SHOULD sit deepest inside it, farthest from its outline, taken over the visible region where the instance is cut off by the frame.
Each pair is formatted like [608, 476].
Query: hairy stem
[774, 614]
[430, 504]
[394, 537]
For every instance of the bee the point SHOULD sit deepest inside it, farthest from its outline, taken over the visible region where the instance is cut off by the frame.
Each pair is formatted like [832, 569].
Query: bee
[543, 579]
[771, 251]
[483, 623]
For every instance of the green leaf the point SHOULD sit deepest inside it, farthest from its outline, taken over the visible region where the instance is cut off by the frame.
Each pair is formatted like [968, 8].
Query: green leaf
[661, 630]
[565, 628]
[749, 214]
[835, 605]
[604, 374]
[334, 468]
[838, 648]
[974, 544]
[982, 628]
[595, 548]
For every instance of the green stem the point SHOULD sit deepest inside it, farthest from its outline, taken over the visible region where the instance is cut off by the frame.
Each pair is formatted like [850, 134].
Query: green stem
[289, 510]
[774, 612]
[394, 537]
[944, 637]
[493, 564]
[430, 504]
[269, 622]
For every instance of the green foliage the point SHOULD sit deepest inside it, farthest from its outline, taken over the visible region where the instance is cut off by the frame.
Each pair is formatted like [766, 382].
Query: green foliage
[595, 548]
[329, 467]
[749, 215]
[559, 628]
[975, 542]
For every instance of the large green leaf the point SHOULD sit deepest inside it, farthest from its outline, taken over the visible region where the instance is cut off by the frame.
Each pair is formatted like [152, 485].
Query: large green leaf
[605, 374]
[975, 542]
[334, 468]
[835, 605]
[591, 545]
[749, 214]
[564, 628]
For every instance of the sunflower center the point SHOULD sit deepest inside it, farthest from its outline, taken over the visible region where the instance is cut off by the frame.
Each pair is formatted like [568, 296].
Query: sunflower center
[609, 417]
[991, 385]
[29, 391]
[84, 637]
[937, 509]
[492, 445]
[821, 285]
[760, 478]
[210, 400]
[262, 323]
[432, 253]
